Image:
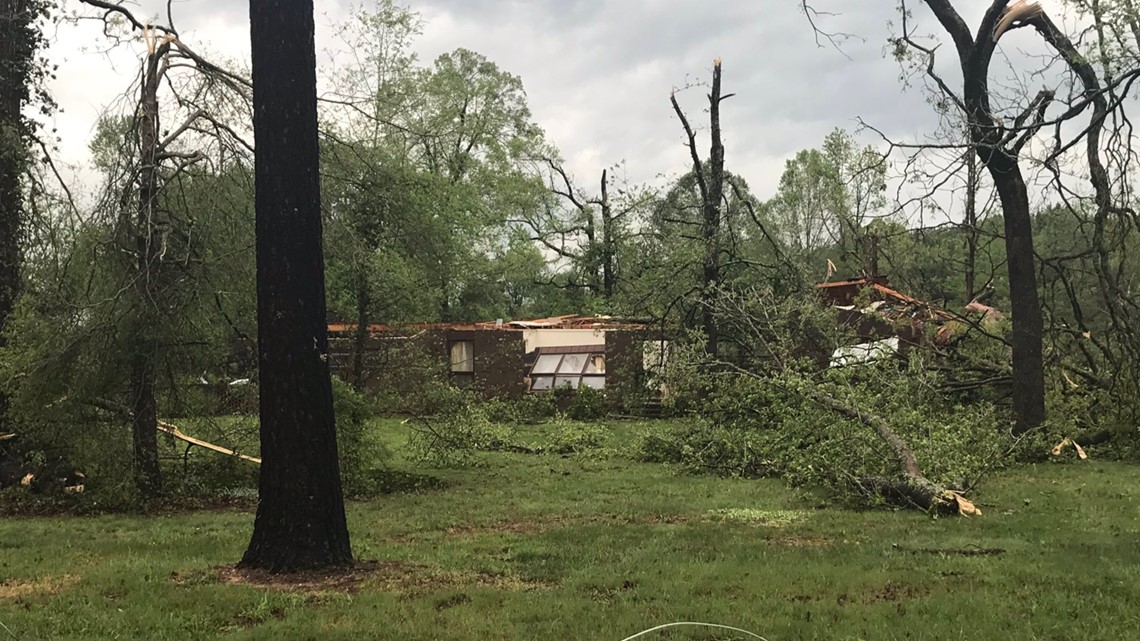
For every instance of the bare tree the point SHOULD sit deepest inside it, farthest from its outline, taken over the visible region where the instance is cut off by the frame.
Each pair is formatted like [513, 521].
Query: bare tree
[710, 182]
[590, 235]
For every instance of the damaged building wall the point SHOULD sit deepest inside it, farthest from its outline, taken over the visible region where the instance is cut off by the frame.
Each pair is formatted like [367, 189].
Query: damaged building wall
[493, 360]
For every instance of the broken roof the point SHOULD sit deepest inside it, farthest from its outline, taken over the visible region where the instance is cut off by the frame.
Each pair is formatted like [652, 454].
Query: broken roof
[886, 302]
[568, 321]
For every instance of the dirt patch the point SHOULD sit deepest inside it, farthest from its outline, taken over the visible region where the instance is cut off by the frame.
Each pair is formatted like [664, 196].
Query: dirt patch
[799, 541]
[968, 551]
[347, 579]
[410, 580]
[893, 592]
[43, 586]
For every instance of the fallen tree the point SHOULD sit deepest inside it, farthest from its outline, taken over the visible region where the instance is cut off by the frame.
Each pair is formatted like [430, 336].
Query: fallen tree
[880, 432]
[909, 487]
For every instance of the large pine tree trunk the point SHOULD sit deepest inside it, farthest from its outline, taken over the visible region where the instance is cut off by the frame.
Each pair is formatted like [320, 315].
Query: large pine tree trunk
[300, 519]
[15, 56]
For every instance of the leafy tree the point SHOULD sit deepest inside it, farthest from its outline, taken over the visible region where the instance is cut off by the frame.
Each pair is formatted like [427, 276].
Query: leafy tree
[461, 139]
[19, 75]
[826, 199]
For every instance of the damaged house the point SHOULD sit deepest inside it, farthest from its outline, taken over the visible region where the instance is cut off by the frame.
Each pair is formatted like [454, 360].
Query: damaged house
[497, 358]
[887, 322]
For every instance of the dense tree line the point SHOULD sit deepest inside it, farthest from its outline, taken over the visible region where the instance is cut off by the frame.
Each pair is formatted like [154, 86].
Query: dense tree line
[440, 198]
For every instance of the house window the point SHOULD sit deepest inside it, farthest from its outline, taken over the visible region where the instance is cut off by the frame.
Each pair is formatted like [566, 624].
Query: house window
[462, 363]
[573, 367]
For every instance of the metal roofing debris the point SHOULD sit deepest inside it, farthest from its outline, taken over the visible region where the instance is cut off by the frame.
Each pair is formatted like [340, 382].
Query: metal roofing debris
[888, 303]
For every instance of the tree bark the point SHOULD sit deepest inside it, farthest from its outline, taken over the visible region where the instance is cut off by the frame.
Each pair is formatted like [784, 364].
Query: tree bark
[360, 335]
[971, 224]
[1025, 305]
[710, 182]
[300, 520]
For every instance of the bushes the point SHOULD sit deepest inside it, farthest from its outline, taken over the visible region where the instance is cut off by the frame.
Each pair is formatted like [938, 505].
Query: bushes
[588, 404]
[528, 408]
[360, 456]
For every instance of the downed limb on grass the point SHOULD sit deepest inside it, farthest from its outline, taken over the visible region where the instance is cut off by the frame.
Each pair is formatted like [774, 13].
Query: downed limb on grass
[910, 488]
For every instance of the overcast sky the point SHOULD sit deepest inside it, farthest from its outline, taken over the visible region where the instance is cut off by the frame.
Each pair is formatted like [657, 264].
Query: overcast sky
[597, 72]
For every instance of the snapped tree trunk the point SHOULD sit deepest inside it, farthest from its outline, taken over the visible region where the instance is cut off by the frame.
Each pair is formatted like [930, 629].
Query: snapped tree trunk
[999, 154]
[150, 237]
[300, 520]
[710, 223]
[710, 182]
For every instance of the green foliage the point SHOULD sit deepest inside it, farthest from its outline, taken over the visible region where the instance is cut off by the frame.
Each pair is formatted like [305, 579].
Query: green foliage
[572, 437]
[771, 427]
[528, 408]
[455, 432]
[588, 404]
[362, 458]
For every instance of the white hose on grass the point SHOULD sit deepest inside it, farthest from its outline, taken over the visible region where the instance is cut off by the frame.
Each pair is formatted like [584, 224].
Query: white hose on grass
[694, 624]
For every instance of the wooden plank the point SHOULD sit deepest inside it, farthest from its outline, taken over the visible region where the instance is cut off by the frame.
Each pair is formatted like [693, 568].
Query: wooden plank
[176, 433]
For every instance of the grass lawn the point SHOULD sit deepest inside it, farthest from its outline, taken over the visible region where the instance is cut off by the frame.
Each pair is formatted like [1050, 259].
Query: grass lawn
[586, 547]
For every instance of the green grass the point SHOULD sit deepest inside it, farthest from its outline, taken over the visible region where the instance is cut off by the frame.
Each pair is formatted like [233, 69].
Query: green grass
[589, 547]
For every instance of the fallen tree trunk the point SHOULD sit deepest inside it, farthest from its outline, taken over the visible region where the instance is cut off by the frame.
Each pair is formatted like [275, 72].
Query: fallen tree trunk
[910, 488]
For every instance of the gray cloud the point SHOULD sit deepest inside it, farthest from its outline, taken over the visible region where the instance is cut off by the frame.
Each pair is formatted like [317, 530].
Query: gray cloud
[598, 72]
